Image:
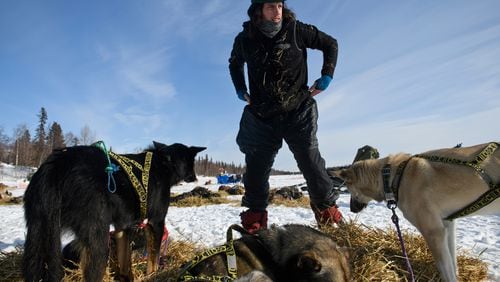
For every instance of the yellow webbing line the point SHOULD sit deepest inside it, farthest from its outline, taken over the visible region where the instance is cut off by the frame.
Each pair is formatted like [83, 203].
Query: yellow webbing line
[227, 248]
[476, 163]
[486, 198]
[141, 188]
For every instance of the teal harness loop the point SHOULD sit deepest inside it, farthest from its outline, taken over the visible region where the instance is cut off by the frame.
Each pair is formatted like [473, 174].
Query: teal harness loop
[110, 168]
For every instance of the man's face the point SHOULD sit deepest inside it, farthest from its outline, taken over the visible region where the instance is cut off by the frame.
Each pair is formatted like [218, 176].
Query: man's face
[272, 11]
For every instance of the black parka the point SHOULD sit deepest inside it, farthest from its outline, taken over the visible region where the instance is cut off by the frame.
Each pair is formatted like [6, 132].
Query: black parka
[277, 67]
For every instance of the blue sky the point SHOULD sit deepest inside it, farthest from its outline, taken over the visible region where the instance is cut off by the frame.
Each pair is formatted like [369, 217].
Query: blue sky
[411, 75]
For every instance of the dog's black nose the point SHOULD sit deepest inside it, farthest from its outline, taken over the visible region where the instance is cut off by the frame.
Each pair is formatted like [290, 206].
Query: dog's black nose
[356, 206]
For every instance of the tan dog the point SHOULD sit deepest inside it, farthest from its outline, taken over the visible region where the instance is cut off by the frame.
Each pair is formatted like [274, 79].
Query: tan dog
[433, 186]
[287, 253]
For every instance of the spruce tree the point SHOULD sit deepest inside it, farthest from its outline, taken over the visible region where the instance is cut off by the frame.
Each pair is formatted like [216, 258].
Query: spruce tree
[40, 138]
[55, 139]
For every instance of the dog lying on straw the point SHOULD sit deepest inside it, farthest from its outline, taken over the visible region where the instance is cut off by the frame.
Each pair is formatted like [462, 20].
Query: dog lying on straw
[286, 253]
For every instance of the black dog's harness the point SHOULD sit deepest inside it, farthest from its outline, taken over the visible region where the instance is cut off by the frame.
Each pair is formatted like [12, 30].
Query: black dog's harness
[141, 187]
[227, 248]
[391, 189]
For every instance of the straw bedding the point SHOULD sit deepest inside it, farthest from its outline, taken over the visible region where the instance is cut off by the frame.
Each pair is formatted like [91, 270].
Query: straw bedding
[375, 256]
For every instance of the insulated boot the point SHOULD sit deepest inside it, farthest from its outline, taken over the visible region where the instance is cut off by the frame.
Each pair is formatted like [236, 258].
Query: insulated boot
[328, 216]
[254, 221]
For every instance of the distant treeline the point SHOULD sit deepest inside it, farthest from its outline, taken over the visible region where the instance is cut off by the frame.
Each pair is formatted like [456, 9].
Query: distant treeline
[207, 167]
[26, 149]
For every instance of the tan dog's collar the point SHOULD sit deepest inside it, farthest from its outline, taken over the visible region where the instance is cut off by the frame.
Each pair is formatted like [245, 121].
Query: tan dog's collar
[391, 190]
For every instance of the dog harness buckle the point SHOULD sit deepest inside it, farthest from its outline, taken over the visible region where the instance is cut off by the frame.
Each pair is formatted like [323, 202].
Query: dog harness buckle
[388, 193]
[391, 204]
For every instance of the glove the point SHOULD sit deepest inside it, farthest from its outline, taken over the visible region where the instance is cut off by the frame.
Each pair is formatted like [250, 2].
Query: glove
[241, 94]
[323, 82]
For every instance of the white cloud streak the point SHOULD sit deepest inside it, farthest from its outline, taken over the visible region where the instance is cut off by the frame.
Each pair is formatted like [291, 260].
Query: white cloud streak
[437, 80]
[433, 97]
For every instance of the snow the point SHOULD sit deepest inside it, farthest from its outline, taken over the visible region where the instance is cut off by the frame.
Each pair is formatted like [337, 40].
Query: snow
[15, 176]
[207, 225]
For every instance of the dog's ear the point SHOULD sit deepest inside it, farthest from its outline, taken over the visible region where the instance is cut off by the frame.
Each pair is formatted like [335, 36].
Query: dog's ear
[345, 251]
[165, 150]
[196, 150]
[308, 262]
[344, 261]
[158, 145]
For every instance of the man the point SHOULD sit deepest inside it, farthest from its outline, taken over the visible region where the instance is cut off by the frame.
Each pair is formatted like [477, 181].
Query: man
[280, 106]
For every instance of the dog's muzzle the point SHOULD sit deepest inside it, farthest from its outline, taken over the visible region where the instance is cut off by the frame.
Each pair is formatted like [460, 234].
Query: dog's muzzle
[356, 206]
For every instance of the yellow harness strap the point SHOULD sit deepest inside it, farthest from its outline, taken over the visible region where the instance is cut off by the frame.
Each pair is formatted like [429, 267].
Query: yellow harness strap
[487, 197]
[484, 200]
[141, 188]
[227, 248]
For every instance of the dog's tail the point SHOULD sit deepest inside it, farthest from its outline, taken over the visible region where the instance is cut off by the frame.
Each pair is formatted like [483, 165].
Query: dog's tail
[42, 210]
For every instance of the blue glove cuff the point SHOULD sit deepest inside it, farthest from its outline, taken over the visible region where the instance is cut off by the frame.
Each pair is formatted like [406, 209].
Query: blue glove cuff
[241, 94]
[323, 82]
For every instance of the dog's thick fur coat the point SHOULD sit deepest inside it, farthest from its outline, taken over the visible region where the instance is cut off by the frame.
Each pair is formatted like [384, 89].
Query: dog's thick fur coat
[69, 192]
[429, 192]
[288, 253]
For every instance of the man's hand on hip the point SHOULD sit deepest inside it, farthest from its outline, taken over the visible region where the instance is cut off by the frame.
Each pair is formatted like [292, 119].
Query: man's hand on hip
[243, 95]
[320, 85]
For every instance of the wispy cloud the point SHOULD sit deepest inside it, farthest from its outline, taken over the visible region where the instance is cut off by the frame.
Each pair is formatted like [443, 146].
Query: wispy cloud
[436, 80]
[190, 19]
[433, 97]
[144, 85]
[145, 124]
[142, 72]
[122, 96]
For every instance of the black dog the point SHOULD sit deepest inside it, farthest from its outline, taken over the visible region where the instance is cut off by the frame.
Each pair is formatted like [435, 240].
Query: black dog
[70, 192]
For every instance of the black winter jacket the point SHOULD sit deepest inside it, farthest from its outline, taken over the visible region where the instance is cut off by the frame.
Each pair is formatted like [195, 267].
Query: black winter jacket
[277, 67]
